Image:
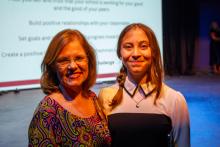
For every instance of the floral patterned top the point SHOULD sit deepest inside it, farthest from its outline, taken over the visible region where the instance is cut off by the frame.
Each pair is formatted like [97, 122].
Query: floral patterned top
[52, 125]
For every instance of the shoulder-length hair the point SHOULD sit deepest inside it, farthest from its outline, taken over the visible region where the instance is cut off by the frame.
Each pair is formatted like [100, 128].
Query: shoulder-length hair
[155, 72]
[49, 80]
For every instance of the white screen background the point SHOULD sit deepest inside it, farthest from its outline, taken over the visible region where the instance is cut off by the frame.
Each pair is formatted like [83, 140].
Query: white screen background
[27, 26]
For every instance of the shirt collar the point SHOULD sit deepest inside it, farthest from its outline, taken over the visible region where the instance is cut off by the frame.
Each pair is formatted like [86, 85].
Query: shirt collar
[131, 87]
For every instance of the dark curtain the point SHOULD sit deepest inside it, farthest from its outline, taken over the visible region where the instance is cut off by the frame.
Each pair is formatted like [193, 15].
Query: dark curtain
[180, 30]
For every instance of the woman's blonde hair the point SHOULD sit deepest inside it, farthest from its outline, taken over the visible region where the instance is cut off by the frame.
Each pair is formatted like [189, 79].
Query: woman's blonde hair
[49, 80]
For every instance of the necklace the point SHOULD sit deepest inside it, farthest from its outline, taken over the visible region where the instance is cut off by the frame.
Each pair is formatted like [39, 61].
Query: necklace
[138, 102]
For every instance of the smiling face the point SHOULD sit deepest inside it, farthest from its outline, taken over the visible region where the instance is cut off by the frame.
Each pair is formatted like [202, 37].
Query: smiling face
[72, 65]
[135, 53]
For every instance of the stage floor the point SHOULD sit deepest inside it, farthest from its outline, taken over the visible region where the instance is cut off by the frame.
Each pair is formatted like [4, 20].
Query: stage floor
[202, 94]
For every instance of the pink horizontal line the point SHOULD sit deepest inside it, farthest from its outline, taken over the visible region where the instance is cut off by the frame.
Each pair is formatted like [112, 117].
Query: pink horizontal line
[109, 75]
[37, 81]
[19, 83]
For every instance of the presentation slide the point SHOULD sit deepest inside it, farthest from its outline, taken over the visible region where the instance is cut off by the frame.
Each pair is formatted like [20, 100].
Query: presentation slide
[27, 27]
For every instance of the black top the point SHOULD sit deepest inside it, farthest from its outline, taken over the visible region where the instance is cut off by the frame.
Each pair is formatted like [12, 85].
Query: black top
[214, 54]
[140, 129]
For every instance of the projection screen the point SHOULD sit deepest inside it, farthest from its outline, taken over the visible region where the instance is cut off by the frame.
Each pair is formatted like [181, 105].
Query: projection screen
[27, 26]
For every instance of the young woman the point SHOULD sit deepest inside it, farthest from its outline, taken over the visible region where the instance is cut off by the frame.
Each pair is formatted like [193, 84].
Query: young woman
[140, 108]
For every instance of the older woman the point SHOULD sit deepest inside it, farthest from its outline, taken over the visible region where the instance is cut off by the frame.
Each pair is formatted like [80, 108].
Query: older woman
[69, 114]
[141, 109]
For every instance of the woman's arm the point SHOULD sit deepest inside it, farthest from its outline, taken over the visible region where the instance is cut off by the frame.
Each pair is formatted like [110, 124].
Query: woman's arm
[41, 130]
[181, 122]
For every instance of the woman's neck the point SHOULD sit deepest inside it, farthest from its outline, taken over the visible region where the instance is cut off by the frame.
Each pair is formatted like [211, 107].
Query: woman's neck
[137, 79]
[70, 94]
